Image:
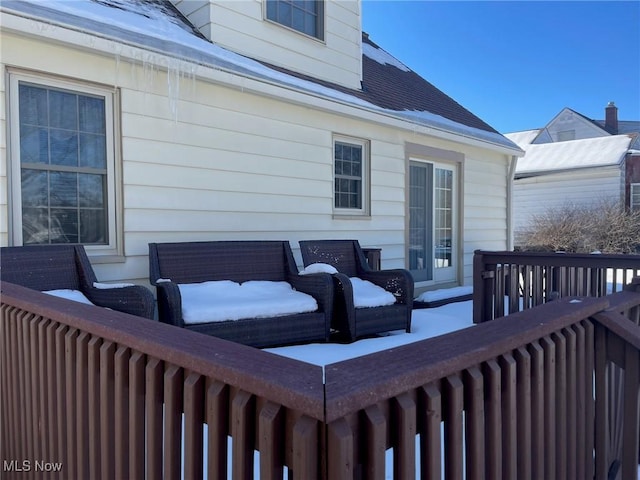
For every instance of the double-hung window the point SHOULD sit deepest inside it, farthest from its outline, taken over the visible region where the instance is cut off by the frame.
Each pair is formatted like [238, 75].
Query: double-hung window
[351, 164]
[62, 163]
[306, 16]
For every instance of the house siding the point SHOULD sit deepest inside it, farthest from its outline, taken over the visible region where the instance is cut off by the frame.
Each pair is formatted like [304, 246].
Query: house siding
[535, 195]
[214, 163]
[240, 26]
[568, 120]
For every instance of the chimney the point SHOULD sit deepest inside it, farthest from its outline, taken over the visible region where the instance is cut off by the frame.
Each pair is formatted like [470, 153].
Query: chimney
[611, 118]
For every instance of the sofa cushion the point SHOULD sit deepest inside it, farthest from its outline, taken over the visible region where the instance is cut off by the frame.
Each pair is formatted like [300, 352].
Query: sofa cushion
[222, 300]
[75, 295]
[367, 294]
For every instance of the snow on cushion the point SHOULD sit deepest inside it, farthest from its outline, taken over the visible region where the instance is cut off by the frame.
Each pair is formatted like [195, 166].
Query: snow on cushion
[222, 300]
[75, 295]
[366, 294]
[319, 268]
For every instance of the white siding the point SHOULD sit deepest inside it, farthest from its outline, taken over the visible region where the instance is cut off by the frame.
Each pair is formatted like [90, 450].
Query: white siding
[569, 121]
[241, 26]
[535, 195]
[217, 163]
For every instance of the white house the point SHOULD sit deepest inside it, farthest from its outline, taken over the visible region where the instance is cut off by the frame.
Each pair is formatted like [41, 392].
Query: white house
[578, 161]
[125, 123]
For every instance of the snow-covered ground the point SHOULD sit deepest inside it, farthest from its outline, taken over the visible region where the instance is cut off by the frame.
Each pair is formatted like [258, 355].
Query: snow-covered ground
[425, 323]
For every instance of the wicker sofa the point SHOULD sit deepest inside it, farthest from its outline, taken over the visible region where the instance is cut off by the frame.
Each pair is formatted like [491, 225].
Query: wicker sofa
[67, 267]
[348, 258]
[174, 264]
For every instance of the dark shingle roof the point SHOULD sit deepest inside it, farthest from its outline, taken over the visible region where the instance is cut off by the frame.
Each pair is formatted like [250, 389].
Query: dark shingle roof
[390, 87]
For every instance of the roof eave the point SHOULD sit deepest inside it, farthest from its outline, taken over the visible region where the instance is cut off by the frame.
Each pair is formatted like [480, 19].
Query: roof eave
[224, 72]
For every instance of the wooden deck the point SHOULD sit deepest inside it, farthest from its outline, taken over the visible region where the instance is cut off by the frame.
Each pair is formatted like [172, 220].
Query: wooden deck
[107, 395]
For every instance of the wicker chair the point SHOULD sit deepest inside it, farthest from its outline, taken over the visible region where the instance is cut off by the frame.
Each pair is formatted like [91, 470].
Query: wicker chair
[347, 257]
[53, 267]
[240, 261]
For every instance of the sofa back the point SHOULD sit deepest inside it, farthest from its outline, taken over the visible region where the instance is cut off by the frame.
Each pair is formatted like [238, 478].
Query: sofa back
[345, 255]
[40, 267]
[238, 260]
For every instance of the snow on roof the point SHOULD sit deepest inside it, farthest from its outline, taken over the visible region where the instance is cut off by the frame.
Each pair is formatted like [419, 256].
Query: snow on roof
[146, 24]
[382, 57]
[524, 138]
[588, 152]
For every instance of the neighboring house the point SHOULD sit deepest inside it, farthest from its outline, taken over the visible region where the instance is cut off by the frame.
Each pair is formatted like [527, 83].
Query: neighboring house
[578, 161]
[135, 122]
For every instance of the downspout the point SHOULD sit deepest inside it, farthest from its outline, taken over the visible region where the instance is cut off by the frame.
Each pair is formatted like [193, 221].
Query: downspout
[510, 180]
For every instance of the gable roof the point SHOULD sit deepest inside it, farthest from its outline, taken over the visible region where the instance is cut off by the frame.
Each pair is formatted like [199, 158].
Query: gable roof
[552, 157]
[388, 88]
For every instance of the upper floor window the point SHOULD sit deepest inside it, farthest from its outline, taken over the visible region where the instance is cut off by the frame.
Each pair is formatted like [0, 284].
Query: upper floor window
[351, 165]
[566, 135]
[305, 16]
[62, 163]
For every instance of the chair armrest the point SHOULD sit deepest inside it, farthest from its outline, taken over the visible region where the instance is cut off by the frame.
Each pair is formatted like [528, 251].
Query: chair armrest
[135, 299]
[397, 281]
[318, 285]
[345, 309]
[169, 303]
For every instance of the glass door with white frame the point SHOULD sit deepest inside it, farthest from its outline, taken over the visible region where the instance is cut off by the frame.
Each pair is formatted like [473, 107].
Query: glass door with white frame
[432, 233]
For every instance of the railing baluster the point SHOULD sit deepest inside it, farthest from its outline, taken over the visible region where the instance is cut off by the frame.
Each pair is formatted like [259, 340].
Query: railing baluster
[43, 431]
[404, 458]
[340, 450]
[375, 427]
[136, 438]
[82, 404]
[523, 386]
[70, 404]
[154, 374]
[493, 423]
[60, 389]
[173, 394]
[630, 431]
[121, 411]
[305, 449]
[581, 398]
[271, 441]
[94, 418]
[107, 415]
[453, 427]
[550, 413]
[475, 425]
[34, 394]
[193, 418]
[509, 417]
[217, 416]
[561, 404]
[537, 409]
[242, 433]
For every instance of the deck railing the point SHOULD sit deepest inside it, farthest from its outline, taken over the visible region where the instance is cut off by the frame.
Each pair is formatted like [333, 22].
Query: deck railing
[95, 393]
[508, 282]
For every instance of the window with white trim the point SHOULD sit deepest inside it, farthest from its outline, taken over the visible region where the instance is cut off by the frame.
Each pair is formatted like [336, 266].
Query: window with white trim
[351, 164]
[63, 187]
[303, 16]
[634, 201]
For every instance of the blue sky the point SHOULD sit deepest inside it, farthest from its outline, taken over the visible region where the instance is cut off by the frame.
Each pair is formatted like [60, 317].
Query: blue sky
[516, 64]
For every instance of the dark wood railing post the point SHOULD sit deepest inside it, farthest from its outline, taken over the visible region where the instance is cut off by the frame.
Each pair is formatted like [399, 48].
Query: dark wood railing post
[483, 288]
